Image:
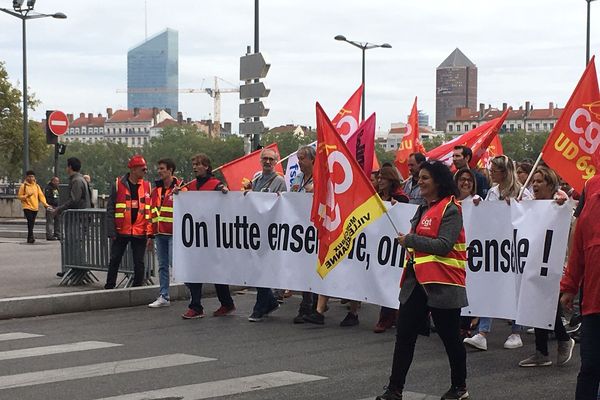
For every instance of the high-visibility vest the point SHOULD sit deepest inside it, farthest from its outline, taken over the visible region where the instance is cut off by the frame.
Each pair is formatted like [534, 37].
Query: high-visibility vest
[211, 184]
[450, 268]
[162, 208]
[124, 205]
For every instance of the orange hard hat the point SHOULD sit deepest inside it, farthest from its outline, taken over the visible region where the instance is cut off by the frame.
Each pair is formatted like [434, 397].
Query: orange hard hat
[136, 161]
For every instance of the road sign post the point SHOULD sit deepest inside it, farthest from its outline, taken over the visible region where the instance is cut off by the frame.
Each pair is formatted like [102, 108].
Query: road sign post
[253, 67]
[57, 124]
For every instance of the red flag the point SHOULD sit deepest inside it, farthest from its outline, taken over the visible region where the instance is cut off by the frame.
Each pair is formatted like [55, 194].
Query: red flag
[572, 147]
[477, 139]
[239, 172]
[493, 150]
[362, 144]
[344, 200]
[346, 121]
[411, 142]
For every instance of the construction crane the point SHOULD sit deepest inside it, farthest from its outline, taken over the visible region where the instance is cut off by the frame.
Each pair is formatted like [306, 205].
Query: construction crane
[214, 92]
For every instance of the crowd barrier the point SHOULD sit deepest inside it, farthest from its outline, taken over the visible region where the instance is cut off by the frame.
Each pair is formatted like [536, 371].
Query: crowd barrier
[85, 247]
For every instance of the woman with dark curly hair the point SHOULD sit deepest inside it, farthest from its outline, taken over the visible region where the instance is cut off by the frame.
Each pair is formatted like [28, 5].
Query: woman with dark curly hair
[433, 281]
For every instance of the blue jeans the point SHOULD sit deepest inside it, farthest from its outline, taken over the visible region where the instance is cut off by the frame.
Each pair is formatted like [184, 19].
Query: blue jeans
[265, 301]
[588, 379]
[164, 251]
[485, 326]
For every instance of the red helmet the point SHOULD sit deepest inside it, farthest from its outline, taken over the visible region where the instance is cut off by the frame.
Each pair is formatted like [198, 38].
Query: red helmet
[136, 161]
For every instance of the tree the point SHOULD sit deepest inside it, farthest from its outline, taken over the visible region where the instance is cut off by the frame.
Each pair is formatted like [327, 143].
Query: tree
[523, 145]
[11, 130]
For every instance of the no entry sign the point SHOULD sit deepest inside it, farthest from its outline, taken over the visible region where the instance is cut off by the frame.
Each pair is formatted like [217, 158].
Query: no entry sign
[58, 123]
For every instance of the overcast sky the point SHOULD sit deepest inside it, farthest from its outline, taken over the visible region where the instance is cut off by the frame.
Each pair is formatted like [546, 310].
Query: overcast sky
[525, 50]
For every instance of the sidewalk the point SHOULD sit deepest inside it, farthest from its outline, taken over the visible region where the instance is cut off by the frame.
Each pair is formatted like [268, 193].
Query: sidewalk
[30, 286]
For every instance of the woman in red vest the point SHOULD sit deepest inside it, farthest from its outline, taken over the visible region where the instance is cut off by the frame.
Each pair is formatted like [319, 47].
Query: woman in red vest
[433, 281]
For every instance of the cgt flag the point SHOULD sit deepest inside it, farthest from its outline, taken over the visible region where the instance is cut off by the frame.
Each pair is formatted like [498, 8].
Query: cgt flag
[362, 145]
[477, 139]
[239, 172]
[344, 200]
[572, 147]
[411, 142]
[494, 149]
[346, 121]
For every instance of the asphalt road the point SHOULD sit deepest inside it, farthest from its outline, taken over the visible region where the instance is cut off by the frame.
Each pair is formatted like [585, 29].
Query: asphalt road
[125, 352]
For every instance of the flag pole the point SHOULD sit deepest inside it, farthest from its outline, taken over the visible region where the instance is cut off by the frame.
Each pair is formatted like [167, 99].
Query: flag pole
[535, 165]
[392, 222]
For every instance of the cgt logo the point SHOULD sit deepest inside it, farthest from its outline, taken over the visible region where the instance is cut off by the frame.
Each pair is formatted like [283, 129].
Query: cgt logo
[331, 223]
[426, 223]
[582, 123]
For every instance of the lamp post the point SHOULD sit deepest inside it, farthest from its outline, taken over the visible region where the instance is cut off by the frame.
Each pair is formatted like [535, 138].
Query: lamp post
[364, 46]
[587, 42]
[24, 14]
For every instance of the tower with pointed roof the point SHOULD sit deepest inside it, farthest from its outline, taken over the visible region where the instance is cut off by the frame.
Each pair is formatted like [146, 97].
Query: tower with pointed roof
[456, 87]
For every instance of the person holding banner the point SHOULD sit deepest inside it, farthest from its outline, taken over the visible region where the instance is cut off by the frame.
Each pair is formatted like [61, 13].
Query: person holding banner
[271, 182]
[433, 281]
[206, 181]
[389, 189]
[545, 187]
[411, 186]
[506, 187]
[303, 183]
[583, 270]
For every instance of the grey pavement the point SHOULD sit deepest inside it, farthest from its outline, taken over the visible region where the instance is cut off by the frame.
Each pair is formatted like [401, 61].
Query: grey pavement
[96, 355]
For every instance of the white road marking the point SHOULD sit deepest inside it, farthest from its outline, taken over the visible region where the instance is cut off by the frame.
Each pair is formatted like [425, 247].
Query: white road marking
[56, 349]
[17, 335]
[226, 387]
[101, 369]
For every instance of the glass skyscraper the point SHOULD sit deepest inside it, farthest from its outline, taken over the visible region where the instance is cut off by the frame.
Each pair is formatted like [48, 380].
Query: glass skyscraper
[153, 73]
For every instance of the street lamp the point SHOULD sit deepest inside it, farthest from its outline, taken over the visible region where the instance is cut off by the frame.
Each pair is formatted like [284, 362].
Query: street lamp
[587, 42]
[364, 46]
[24, 14]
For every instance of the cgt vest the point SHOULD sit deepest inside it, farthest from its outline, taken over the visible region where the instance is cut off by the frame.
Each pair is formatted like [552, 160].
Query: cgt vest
[211, 184]
[124, 205]
[162, 208]
[448, 269]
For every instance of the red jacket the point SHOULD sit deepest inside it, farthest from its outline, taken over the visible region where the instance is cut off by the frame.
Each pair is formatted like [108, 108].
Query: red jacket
[584, 260]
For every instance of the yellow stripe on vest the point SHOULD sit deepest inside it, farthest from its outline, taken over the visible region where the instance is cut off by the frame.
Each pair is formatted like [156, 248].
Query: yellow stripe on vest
[452, 262]
[120, 205]
[119, 215]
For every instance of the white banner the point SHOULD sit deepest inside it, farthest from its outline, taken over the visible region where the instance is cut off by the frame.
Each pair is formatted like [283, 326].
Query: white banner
[516, 252]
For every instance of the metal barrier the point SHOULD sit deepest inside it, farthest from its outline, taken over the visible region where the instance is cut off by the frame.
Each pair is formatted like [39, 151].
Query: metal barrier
[85, 247]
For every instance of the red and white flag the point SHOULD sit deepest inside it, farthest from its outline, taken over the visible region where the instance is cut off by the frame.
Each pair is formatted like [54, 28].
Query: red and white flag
[477, 139]
[346, 121]
[572, 149]
[344, 201]
[411, 142]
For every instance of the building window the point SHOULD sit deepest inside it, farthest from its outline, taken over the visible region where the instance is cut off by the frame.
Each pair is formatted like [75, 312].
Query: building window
[120, 130]
[552, 125]
[529, 126]
[537, 126]
[519, 126]
[474, 126]
[457, 128]
[450, 128]
[545, 126]
[512, 127]
[466, 127]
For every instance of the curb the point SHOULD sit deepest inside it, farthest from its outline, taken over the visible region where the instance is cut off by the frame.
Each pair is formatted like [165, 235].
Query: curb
[35, 306]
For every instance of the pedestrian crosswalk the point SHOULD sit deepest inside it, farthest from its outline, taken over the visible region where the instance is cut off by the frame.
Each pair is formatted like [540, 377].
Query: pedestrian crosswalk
[195, 391]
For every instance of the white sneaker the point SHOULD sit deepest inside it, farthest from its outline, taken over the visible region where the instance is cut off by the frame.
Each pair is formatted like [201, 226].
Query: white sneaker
[513, 341]
[478, 341]
[159, 302]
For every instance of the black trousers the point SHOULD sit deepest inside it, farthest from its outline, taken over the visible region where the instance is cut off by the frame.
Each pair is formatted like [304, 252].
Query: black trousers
[30, 216]
[541, 335]
[588, 380]
[119, 245]
[223, 295]
[413, 320]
